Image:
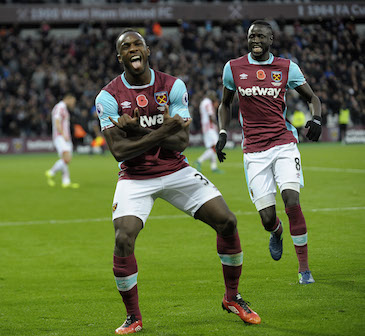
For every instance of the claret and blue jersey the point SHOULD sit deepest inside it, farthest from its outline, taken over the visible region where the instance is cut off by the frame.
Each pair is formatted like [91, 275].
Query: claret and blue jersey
[261, 88]
[119, 97]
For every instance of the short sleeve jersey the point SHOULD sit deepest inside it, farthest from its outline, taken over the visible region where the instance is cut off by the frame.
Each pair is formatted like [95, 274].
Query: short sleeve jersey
[119, 97]
[206, 113]
[60, 113]
[261, 88]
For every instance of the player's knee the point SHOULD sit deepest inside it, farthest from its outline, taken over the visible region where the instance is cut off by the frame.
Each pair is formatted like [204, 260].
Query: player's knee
[228, 224]
[268, 218]
[290, 197]
[124, 242]
[126, 232]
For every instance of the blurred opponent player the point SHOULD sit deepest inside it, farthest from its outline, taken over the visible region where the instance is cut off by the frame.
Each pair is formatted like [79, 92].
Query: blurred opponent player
[208, 119]
[145, 119]
[271, 156]
[61, 134]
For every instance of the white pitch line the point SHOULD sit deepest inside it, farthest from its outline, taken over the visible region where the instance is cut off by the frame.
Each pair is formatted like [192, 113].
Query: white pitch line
[336, 170]
[162, 217]
[324, 169]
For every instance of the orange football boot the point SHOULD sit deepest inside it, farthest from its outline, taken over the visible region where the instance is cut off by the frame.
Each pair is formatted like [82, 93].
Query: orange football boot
[130, 326]
[240, 307]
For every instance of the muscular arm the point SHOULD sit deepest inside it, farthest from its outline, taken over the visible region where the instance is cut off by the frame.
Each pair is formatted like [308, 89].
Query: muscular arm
[224, 109]
[126, 148]
[313, 101]
[177, 142]
[173, 133]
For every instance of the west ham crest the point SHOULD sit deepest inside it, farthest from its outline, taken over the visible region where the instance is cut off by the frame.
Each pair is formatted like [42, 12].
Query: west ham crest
[161, 98]
[276, 76]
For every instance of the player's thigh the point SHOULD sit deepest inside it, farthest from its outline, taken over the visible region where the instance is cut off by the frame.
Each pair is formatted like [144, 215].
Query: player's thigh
[210, 138]
[259, 175]
[188, 190]
[62, 146]
[216, 214]
[287, 168]
[134, 198]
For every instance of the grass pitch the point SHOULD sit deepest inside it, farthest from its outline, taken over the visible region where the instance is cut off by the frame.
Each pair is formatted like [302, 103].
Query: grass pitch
[56, 250]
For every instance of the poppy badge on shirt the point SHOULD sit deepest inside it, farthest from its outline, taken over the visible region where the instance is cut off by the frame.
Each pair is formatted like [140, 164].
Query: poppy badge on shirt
[260, 74]
[142, 100]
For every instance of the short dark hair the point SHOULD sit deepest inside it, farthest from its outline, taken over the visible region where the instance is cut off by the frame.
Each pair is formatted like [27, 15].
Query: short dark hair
[69, 94]
[262, 23]
[127, 30]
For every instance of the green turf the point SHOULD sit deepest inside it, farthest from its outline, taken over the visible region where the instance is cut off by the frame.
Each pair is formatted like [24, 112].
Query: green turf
[56, 250]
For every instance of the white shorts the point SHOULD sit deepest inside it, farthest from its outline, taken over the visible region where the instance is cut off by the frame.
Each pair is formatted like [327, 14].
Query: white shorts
[62, 145]
[187, 190]
[278, 166]
[210, 138]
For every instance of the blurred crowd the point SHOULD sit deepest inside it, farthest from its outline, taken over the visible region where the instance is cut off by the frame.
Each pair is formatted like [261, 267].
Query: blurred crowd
[35, 72]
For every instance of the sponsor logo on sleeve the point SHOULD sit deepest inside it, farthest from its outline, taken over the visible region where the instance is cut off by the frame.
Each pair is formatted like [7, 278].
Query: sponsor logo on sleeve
[185, 98]
[99, 110]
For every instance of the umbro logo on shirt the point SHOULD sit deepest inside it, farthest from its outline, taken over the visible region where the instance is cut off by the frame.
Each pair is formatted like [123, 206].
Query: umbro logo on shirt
[126, 104]
[243, 76]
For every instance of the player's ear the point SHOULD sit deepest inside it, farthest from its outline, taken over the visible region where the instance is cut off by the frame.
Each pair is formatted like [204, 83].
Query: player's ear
[119, 58]
[148, 51]
[271, 39]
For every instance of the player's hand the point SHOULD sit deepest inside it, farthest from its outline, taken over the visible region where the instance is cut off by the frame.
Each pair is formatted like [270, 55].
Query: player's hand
[314, 128]
[222, 140]
[128, 124]
[174, 124]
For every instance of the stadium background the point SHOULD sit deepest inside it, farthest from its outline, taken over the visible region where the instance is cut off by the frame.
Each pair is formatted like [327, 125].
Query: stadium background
[50, 47]
[56, 244]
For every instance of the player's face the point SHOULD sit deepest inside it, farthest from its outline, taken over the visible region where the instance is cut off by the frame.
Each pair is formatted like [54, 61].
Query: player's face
[260, 39]
[71, 102]
[133, 53]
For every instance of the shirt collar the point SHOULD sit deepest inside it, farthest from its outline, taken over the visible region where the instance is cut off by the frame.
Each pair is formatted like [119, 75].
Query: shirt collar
[129, 86]
[252, 61]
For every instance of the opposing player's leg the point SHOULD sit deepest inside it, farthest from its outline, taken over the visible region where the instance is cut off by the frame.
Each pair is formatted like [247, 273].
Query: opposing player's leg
[205, 156]
[216, 214]
[66, 180]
